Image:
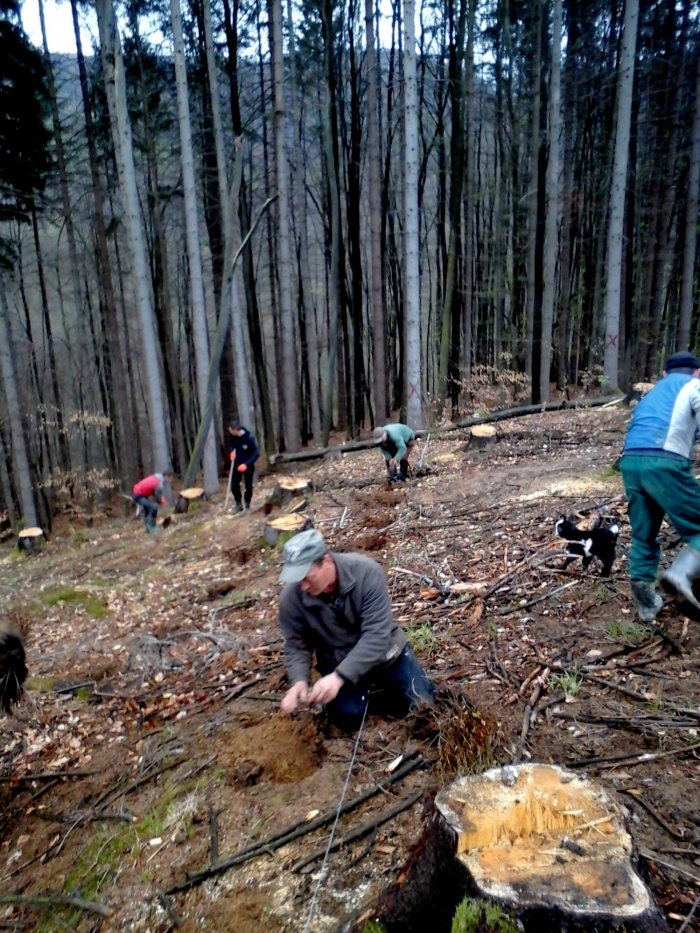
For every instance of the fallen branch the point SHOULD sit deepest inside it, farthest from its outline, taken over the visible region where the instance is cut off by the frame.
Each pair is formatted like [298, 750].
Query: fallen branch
[503, 415]
[295, 831]
[360, 830]
[653, 812]
[631, 760]
[169, 908]
[47, 776]
[55, 900]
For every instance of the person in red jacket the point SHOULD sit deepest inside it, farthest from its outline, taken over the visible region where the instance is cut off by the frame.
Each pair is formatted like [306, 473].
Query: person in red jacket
[157, 486]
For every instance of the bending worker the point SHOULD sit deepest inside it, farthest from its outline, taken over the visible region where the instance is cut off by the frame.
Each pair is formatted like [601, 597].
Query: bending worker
[655, 467]
[337, 606]
[158, 486]
[395, 441]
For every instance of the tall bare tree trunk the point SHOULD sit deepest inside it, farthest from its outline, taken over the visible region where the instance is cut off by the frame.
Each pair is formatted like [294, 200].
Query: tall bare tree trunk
[20, 460]
[551, 238]
[532, 189]
[115, 83]
[469, 198]
[617, 194]
[378, 318]
[290, 378]
[120, 435]
[412, 275]
[691, 227]
[299, 202]
[333, 279]
[194, 253]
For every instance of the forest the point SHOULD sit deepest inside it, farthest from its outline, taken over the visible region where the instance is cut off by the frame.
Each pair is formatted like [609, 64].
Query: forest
[314, 217]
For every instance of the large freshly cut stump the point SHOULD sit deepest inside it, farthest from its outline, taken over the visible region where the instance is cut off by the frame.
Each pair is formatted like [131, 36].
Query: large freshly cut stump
[291, 487]
[186, 496]
[482, 437]
[283, 528]
[30, 539]
[549, 846]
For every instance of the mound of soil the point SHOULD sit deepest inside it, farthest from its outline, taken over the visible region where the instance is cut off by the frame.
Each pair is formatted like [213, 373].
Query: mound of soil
[276, 749]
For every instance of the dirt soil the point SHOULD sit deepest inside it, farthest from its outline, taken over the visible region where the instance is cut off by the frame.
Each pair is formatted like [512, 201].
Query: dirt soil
[150, 742]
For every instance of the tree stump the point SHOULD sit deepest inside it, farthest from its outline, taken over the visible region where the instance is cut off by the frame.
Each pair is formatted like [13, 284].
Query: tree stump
[30, 539]
[482, 437]
[187, 496]
[280, 530]
[548, 846]
[291, 487]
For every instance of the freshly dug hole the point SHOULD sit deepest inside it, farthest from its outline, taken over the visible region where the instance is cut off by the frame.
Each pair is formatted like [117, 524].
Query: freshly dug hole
[277, 749]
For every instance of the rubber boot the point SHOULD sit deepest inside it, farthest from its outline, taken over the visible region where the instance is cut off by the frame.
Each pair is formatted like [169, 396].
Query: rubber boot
[403, 471]
[239, 507]
[247, 506]
[647, 601]
[391, 475]
[150, 524]
[678, 578]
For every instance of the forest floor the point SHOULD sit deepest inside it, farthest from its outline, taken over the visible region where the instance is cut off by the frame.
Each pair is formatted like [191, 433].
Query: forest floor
[151, 733]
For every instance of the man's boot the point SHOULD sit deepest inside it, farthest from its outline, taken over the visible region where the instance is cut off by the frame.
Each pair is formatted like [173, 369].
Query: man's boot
[239, 507]
[247, 506]
[403, 471]
[647, 601]
[391, 475]
[150, 523]
[678, 578]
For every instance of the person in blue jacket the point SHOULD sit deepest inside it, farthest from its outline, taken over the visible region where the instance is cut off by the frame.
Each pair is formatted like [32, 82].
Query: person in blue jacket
[656, 470]
[243, 452]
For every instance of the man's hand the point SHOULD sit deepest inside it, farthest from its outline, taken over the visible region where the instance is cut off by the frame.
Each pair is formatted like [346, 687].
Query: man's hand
[392, 463]
[242, 468]
[296, 695]
[232, 456]
[326, 689]
[163, 500]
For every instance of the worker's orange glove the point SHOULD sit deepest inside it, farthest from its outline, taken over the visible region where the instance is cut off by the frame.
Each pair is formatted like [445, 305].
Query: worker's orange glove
[242, 468]
[232, 456]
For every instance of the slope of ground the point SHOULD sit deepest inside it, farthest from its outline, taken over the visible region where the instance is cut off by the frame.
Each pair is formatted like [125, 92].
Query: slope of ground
[150, 744]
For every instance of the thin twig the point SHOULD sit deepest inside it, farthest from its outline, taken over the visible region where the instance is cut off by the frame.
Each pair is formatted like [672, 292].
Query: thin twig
[53, 900]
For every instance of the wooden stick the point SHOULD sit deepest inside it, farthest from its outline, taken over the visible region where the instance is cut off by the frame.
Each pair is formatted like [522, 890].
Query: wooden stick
[295, 831]
[168, 907]
[52, 900]
[653, 812]
[360, 830]
[228, 488]
[632, 760]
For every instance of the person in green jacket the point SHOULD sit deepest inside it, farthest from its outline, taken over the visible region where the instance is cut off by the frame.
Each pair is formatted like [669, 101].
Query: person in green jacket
[395, 442]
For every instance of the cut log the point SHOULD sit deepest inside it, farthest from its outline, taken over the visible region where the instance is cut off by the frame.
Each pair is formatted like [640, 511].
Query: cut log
[31, 539]
[482, 437]
[550, 847]
[280, 530]
[299, 504]
[638, 391]
[186, 496]
[318, 452]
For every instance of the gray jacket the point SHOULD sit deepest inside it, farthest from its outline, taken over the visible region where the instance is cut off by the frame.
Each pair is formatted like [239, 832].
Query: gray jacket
[358, 635]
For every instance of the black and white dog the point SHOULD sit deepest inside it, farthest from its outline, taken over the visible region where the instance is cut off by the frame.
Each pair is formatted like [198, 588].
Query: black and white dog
[598, 542]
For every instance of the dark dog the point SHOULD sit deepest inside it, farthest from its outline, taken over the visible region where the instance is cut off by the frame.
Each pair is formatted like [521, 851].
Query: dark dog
[13, 670]
[598, 542]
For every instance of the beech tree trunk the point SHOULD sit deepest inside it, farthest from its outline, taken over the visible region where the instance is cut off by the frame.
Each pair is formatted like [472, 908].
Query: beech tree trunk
[291, 401]
[113, 67]
[20, 460]
[691, 227]
[551, 237]
[378, 311]
[194, 254]
[617, 194]
[532, 189]
[414, 414]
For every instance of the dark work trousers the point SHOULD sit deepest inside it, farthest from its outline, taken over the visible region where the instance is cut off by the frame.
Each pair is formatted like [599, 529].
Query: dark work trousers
[150, 508]
[391, 691]
[236, 484]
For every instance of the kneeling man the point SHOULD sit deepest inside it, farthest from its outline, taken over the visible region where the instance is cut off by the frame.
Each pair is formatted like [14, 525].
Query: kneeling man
[337, 607]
